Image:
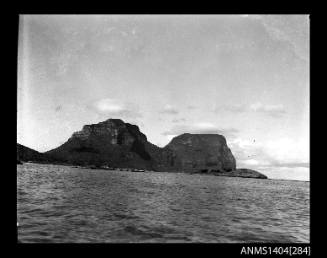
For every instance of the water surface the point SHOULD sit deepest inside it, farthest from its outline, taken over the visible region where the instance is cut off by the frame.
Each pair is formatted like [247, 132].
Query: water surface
[64, 204]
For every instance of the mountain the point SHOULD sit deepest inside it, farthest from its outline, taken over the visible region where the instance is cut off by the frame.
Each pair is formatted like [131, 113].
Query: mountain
[120, 144]
[27, 154]
[111, 142]
[202, 152]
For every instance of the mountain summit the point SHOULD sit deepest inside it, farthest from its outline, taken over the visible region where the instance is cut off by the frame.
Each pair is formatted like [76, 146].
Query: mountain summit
[203, 151]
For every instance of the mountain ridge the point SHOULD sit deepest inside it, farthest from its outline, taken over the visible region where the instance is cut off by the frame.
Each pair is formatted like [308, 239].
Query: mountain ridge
[118, 144]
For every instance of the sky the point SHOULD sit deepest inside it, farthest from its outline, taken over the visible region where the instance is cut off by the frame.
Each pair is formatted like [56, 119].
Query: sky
[243, 76]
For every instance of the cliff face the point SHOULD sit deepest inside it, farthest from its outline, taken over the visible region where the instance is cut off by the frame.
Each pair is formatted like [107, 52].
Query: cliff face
[202, 152]
[120, 144]
[111, 142]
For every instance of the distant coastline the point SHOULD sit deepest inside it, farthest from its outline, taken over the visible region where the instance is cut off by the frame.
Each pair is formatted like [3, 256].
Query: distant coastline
[114, 144]
[236, 173]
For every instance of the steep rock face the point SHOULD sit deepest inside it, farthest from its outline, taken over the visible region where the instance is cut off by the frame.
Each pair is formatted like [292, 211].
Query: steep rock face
[196, 152]
[120, 144]
[111, 142]
[164, 159]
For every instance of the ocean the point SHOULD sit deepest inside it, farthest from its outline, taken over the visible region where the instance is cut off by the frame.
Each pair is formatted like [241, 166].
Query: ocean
[62, 204]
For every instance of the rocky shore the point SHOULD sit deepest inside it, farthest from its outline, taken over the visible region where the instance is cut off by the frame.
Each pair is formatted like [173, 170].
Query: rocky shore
[241, 172]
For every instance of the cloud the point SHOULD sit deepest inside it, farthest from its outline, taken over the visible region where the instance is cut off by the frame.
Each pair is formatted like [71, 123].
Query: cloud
[251, 162]
[285, 150]
[191, 107]
[290, 164]
[116, 108]
[200, 128]
[261, 163]
[177, 120]
[279, 153]
[236, 108]
[168, 109]
[299, 173]
[248, 152]
[270, 110]
[293, 29]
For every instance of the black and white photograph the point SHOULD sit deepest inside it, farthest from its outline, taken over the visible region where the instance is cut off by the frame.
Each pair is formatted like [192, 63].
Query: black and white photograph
[163, 128]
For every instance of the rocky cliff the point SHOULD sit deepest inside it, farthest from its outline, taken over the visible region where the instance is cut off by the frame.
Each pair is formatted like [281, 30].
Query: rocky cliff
[120, 144]
[111, 142]
[202, 152]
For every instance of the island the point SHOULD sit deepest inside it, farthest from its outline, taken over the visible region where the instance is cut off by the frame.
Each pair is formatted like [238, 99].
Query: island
[114, 144]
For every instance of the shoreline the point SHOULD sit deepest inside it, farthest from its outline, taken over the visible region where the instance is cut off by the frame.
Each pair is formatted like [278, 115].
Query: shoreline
[235, 173]
[151, 171]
